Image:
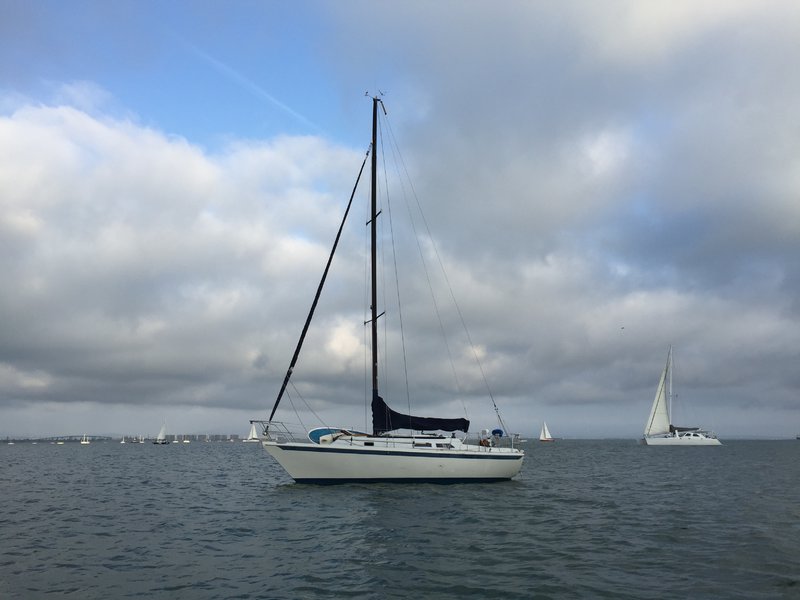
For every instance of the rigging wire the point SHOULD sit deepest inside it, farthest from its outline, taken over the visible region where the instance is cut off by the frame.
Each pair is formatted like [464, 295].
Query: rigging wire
[299, 346]
[395, 150]
[412, 221]
[307, 405]
[396, 274]
[365, 329]
[444, 273]
[294, 408]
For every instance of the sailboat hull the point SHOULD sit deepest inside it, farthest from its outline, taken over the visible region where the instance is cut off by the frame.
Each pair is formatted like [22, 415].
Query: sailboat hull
[328, 464]
[684, 440]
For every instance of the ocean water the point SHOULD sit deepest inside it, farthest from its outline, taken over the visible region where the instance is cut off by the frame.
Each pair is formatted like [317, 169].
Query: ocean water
[584, 519]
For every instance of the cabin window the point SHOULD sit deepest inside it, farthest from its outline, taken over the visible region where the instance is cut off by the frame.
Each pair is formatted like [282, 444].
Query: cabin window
[444, 446]
[422, 445]
[369, 443]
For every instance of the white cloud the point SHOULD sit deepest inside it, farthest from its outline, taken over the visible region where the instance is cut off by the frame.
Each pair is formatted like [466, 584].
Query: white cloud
[140, 262]
[602, 180]
[642, 33]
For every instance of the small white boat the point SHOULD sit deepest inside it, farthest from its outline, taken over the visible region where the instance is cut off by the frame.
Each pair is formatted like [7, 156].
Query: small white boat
[85, 440]
[544, 434]
[123, 440]
[659, 430]
[253, 435]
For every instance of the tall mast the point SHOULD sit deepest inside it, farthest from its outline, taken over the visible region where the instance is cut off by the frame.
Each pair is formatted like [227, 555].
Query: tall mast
[669, 405]
[373, 250]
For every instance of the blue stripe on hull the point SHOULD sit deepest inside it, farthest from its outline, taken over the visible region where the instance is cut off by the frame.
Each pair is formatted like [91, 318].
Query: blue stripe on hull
[475, 456]
[405, 480]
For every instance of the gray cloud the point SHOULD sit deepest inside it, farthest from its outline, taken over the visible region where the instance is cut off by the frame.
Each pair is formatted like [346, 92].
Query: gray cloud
[602, 181]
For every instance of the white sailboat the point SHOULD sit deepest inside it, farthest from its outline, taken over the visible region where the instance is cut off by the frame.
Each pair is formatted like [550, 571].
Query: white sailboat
[253, 435]
[659, 430]
[335, 455]
[85, 440]
[544, 434]
[161, 438]
[123, 440]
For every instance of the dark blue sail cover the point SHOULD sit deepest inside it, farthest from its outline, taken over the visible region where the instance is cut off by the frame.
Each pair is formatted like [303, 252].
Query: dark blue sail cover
[385, 419]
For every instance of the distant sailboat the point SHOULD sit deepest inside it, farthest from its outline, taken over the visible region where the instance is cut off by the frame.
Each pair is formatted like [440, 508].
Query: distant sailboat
[161, 438]
[253, 435]
[659, 430]
[85, 440]
[123, 440]
[544, 435]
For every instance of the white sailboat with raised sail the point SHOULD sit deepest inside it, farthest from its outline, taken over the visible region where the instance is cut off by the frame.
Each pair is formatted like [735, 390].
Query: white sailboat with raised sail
[85, 440]
[252, 436]
[544, 434]
[336, 455]
[659, 430]
[161, 438]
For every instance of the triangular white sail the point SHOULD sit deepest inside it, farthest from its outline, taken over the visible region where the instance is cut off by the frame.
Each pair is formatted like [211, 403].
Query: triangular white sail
[253, 435]
[544, 435]
[162, 434]
[658, 422]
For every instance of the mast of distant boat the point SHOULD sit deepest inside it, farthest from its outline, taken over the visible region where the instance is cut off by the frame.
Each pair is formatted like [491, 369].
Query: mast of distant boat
[669, 404]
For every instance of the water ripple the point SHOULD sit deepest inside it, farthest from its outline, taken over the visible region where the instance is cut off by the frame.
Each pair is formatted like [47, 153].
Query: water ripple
[585, 519]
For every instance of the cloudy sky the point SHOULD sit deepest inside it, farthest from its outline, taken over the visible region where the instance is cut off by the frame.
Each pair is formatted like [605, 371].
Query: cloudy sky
[601, 180]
